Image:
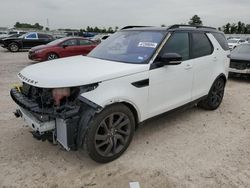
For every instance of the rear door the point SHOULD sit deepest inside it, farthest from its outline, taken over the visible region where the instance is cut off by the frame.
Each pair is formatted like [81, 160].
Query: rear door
[85, 46]
[43, 38]
[203, 60]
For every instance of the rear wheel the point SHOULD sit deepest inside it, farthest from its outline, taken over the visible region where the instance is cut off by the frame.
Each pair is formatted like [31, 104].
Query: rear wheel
[110, 133]
[52, 56]
[13, 47]
[215, 95]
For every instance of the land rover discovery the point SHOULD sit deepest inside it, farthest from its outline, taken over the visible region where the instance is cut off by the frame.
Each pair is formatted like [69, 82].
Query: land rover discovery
[95, 102]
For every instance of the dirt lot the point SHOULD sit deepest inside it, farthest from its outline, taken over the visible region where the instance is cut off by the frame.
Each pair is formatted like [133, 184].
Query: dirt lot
[194, 148]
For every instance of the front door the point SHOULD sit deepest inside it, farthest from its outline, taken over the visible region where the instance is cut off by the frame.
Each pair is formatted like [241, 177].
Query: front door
[170, 86]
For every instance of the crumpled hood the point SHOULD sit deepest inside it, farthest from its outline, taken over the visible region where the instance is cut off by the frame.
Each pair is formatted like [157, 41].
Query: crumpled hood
[76, 71]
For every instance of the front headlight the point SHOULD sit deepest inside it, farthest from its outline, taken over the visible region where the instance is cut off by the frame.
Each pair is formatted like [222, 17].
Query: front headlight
[89, 87]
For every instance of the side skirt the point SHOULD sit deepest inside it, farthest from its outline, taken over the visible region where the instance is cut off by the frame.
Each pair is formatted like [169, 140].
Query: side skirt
[178, 109]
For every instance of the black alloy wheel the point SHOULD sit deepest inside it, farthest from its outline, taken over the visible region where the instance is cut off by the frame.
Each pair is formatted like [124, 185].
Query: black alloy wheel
[215, 95]
[110, 133]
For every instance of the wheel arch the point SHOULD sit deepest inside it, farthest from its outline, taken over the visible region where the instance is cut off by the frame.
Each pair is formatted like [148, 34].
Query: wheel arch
[223, 76]
[133, 108]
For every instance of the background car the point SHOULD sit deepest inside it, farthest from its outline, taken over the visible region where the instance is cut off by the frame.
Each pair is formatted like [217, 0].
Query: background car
[26, 41]
[63, 47]
[232, 43]
[100, 37]
[240, 60]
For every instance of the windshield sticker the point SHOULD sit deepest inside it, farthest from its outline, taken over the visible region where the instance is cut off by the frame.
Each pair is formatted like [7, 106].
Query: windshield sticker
[140, 58]
[147, 44]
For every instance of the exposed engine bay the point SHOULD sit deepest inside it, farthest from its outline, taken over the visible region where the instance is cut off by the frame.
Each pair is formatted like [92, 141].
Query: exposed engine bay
[52, 114]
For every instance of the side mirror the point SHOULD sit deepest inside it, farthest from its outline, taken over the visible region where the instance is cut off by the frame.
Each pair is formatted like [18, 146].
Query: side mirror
[169, 59]
[64, 45]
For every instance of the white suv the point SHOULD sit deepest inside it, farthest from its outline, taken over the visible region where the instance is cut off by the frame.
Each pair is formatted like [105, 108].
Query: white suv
[96, 102]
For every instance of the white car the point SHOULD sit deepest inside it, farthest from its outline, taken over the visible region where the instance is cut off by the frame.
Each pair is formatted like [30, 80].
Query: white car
[96, 101]
[232, 43]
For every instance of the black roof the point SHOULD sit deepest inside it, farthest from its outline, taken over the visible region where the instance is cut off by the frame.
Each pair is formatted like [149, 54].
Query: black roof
[172, 28]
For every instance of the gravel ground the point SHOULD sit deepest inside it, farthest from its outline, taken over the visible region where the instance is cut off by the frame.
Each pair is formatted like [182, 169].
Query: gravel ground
[193, 148]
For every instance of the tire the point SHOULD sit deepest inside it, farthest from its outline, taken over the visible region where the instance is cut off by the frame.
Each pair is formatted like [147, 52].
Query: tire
[110, 133]
[215, 95]
[52, 56]
[13, 47]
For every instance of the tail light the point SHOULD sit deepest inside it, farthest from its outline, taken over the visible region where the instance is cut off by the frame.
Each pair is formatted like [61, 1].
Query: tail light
[60, 93]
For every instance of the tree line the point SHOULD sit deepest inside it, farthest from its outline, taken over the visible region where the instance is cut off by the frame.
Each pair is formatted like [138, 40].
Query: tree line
[235, 28]
[229, 28]
[37, 26]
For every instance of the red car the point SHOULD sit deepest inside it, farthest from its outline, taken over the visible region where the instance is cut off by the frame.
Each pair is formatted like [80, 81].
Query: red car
[63, 47]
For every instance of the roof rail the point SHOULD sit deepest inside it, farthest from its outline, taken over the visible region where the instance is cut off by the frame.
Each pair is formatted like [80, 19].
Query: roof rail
[195, 26]
[133, 26]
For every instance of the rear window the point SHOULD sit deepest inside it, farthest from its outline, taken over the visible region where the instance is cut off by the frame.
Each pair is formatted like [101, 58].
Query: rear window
[43, 36]
[201, 46]
[221, 40]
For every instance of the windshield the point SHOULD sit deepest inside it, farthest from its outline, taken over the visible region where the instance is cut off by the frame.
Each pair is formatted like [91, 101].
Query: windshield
[22, 36]
[242, 49]
[57, 41]
[129, 46]
[232, 41]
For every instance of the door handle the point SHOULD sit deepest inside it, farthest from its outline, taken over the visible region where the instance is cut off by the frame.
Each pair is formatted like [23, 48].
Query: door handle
[188, 66]
[215, 59]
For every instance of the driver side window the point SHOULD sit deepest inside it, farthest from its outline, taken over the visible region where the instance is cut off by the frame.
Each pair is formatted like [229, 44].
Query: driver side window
[177, 43]
[31, 36]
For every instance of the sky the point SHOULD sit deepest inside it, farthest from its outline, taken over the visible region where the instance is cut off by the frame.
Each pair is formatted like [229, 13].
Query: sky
[76, 14]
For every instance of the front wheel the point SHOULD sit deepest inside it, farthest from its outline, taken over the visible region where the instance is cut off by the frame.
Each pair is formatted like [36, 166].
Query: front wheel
[215, 95]
[52, 56]
[110, 133]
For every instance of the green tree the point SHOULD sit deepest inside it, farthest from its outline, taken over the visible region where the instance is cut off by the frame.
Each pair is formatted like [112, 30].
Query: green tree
[233, 29]
[110, 30]
[195, 20]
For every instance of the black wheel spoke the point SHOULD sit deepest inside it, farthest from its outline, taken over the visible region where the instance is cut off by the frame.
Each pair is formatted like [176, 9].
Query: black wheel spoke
[125, 122]
[102, 143]
[109, 148]
[115, 145]
[104, 125]
[120, 138]
[123, 132]
[111, 120]
[101, 137]
[118, 121]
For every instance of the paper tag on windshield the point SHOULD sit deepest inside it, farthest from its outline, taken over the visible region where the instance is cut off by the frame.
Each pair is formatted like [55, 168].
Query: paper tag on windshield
[147, 44]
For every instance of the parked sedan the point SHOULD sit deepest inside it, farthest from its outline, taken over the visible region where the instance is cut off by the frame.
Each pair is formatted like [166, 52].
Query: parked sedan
[240, 60]
[26, 41]
[63, 47]
[232, 43]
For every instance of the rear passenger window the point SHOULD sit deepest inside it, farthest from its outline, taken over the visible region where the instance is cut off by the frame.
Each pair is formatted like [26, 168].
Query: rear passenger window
[221, 40]
[84, 42]
[43, 36]
[201, 45]
[177, 43]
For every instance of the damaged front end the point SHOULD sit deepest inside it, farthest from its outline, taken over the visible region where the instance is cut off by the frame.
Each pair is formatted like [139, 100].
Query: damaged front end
[52, 114]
